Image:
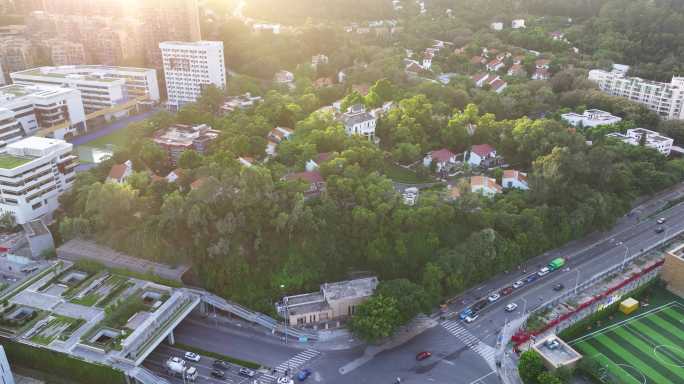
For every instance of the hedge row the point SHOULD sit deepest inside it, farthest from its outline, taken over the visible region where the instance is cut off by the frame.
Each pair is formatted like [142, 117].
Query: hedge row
[60, 365]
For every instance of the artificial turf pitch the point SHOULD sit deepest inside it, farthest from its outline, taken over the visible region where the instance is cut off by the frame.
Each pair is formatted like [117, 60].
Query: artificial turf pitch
[647, 349]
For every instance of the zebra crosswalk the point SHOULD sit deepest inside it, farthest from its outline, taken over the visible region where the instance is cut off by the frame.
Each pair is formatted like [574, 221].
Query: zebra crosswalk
[292, 364]
[485, 351]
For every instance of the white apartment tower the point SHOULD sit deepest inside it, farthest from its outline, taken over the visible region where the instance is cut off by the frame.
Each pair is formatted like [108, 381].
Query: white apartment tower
[190, 67]
[101, 86]
[666, 99]
[5, 370]
[39, 107]
[34, 172]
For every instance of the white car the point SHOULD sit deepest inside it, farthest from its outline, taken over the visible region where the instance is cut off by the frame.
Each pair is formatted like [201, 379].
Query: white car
[192, 356]
[518, 284]
[543, 271]
[511, 307]
[662, 220]
[470, 319]
[493, 297]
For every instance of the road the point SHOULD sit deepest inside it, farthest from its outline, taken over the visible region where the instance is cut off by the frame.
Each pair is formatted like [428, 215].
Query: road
[462, 353]
[111, 128]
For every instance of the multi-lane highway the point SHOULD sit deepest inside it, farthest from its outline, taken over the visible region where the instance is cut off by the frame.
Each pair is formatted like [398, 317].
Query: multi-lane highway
[462, 353]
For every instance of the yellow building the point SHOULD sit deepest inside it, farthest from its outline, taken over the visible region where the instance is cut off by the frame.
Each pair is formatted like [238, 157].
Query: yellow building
[673, 270]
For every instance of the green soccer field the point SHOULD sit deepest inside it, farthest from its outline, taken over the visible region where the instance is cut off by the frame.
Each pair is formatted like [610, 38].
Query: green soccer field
[647, 349]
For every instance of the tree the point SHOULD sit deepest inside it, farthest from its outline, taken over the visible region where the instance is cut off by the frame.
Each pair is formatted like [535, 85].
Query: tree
[189, 159]
[411, 298]
[7, 221]
[352, 99]
[375, 319]
[211, 99]
[530, 366]
[548, 378]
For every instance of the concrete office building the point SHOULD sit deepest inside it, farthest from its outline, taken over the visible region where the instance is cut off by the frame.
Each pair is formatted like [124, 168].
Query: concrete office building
[100, 86]
[34, 172]
[654, 140]
[666, 99]
[590, 118]
[190, 67]
[38, 107]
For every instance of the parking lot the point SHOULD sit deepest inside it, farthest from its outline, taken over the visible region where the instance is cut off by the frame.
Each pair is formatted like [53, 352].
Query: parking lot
[156, 363]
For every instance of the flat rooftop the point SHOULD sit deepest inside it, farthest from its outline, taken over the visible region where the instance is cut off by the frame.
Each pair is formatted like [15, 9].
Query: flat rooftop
[89, 72]
[558, 355]
[11, 162]
[350, 288]
[15, 91]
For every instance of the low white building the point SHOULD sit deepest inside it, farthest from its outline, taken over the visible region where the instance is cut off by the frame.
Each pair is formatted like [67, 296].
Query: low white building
[590, 118]
[485, 186]
[481, 154]
[497, 26]
[39, 107]
[518, 23]
[442, 158]
[34, 172]
[654, 140]
[514, 179]
[357, 121]
[119, 173]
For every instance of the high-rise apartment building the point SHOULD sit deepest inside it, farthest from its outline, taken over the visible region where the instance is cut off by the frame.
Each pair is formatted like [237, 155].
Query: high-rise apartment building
[34, 172]
[167, 20]
[666, 99]
[100, 86]
[190, 67]
[65, 52]
[38, 107]
[16, 53]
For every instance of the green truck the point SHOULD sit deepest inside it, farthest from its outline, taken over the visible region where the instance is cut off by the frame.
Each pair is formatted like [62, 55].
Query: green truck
[556, 263]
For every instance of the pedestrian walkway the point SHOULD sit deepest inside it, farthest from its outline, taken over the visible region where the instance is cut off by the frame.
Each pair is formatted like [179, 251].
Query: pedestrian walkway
[487, 352]
[290, 366]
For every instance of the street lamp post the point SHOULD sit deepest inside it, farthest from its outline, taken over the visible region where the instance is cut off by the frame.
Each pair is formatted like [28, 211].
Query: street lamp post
[627, 252]
[577, 280]
[287, 314]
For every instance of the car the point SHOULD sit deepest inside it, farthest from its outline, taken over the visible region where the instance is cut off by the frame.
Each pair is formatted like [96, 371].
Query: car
[659, 230]
[506, 291]
[217, 373]
[284, 380]
[518, 284]
[465, 313]
[544, 271]
[423, 355]
[303, 374]
[493, 297]
[662, 220]
[511, 307]
[177, 360]
[532, 278]
[246, 372]
[192, 356]
[558, 287]
[480, 304]
[220, 364]
[470, 319]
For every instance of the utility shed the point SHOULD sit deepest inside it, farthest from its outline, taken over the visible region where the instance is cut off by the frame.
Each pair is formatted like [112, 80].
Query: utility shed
[628, 306]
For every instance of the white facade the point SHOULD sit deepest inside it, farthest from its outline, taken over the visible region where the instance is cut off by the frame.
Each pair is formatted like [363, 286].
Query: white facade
[497, 26]
[514, 179]
[590, 118]
[666, 99]
[518, 23]
[359, 122]
[34, 172]
[10, 129]
[190, 67]
[654, 140]
[101, 86]
[37, 107]
[5, 370]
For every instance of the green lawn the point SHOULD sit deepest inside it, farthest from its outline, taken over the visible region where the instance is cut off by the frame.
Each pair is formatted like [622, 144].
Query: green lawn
[45, 337]
[11, 162]
[646, 349]
[403, 175]
[117, 139]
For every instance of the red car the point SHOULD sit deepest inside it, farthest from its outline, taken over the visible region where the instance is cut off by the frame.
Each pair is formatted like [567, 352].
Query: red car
[506, 291]
[423, 355]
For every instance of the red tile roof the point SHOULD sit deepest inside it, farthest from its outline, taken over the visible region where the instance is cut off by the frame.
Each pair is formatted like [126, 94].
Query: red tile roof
[323, 157]
[485, 182]
[117, 171]
[198, 183]
[442, 155]
[496, 84]
[513, 174]
[310, 176]
[482, 149]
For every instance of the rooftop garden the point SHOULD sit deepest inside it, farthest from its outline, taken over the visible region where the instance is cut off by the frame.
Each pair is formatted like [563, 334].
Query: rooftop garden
[11, 162]
[111, 331]
[17, 318]
[55, 327]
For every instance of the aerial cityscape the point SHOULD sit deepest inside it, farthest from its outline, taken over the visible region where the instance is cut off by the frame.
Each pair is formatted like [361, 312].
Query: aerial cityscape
[342, 191]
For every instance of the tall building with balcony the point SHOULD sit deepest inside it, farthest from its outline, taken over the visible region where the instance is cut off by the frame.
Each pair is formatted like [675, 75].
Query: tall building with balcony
[666, 99]
[34, 172]
[101, 87]
[10, 128]
[16, 53]
[40, 107]
[65, 52]
[190, 67]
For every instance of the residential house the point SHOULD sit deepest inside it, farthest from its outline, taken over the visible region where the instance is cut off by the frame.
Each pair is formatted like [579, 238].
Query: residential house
[321, 158]
[480, 79]
[498, 85]
[481, 154]
[341, 76]
[242, 102]
[516, 70]
[514, 179]
[651, 139]
[497, 26]
[284, 77]
[313, 178]
[319, 59]
[495, 65]
[541, 70]
[557, 35]
[323, 82]
[427, 60]
[485, 186]
[275, 137]
[180, 137]
[413, 68]
[333, 301]
[246, 161]
[359, 122]
[590, 118]
[518, 59]
[495, 83]
[174, 175]
[120, 172]
[442, 158]
[518, 23]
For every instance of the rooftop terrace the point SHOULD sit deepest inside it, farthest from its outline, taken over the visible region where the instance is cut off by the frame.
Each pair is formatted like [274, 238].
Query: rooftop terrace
[11, 162]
